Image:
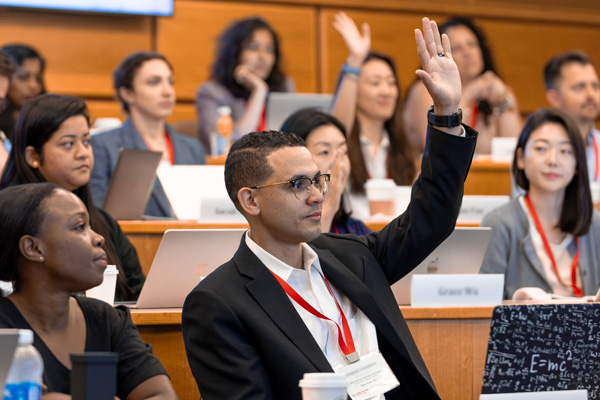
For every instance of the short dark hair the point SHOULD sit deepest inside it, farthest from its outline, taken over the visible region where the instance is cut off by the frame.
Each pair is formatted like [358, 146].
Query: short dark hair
[488, 61]
[247, 164]
[229, 47]
[552, 70]
[7, 65]
[21, 213]
[20, 52]
[577, 209]
[125, 73]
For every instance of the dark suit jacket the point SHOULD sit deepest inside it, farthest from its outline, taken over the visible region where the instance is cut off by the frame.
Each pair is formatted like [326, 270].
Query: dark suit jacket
[245, 340]
[106, 148]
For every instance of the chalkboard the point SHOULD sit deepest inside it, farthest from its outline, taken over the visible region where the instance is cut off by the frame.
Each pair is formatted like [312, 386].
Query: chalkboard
[544, 348]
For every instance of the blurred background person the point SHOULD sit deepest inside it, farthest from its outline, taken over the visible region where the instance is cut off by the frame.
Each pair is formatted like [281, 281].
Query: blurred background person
[488, 104]
[7, 68]
[247, 67]
[547, 238]
[325, 137]
[52, 143]
[26, 82]
[144, 86]
[367, 102]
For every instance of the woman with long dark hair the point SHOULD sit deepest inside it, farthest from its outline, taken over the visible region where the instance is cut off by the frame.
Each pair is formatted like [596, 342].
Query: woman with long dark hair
[246, 68]
[368, 104]
[547, 238]
[488, 104]
[52, 144]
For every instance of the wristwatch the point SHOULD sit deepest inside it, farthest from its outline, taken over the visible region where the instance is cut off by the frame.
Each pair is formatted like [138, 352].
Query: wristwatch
[444, 121]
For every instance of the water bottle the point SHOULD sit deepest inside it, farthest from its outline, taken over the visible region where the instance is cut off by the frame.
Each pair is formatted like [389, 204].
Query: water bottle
[224, 128]
[24, 381]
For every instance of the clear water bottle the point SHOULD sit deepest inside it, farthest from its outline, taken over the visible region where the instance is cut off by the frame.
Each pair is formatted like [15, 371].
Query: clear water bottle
[222, 137]
[24, 381]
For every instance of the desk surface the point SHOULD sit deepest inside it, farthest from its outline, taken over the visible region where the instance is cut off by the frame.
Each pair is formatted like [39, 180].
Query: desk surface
[452, 341]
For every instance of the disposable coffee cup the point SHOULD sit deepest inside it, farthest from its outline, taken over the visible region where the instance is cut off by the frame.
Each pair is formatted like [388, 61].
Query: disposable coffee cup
[381, 194]
[401, 199]
[106, 290]
[324, 386]
[595, 191]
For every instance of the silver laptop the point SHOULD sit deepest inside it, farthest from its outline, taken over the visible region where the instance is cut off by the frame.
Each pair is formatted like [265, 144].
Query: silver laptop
[131, 183]
[9, 339]
[281, 105]
[554, 395]
[183, 258]
[461, 253]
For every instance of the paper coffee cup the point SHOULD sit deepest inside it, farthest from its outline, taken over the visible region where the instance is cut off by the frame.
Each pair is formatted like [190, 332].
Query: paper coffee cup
[324, 386]
[381, 196]
[106, 290]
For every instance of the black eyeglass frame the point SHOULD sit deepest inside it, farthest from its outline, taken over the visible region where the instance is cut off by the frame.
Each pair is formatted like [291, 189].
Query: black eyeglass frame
[296, 190]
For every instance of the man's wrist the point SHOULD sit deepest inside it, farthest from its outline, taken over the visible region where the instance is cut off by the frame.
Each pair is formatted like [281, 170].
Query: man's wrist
[437, 119]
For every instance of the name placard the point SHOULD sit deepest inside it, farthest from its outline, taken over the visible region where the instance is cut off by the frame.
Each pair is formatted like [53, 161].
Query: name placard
[503, 149]
[456, 290]
[474, 208]
[219, 209]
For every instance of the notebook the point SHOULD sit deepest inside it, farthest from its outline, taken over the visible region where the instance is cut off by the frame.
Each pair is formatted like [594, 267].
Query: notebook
[9, 339]
[281, 105]
[196, 190]
[183, 258]
[461, 253]
[131, 183]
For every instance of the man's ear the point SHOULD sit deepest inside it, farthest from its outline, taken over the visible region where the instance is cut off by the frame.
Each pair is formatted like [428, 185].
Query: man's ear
[553, 98]
[31, 248]
[248, 202]
[32, 157]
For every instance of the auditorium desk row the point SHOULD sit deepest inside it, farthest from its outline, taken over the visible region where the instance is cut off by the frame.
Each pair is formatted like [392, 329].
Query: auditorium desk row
[452, 341]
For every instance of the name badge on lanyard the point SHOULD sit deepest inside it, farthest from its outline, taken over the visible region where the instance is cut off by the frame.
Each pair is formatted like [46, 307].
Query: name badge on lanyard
[369, 377]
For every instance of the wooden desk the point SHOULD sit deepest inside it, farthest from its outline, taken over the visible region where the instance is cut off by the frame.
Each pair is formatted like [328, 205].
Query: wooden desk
[452, 341]
[488, 178]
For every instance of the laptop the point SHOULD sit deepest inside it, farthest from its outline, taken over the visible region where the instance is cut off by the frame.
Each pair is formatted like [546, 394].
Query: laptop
[183, 258]
[9, 339]
[461, 253]
[281, 105]
[131, 183]
[197, 192]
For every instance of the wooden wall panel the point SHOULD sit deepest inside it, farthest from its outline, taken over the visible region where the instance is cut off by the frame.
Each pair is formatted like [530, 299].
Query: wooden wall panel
[81, 50]
[188, 39]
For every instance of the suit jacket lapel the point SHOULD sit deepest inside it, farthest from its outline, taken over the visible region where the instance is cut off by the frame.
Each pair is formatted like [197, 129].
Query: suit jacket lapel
[272, 298]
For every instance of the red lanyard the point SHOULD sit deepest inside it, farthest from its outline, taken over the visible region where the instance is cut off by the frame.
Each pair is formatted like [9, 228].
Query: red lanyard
[170, 150]
[538, 226]
[474, 113]
[595, 158]
[348, 349]
[262, 125]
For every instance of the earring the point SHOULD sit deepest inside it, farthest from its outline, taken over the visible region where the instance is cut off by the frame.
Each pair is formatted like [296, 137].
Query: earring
[42, 259]
[34, 164]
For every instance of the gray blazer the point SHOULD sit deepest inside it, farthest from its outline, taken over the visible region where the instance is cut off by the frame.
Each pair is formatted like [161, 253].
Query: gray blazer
[106, 148]
[511, 252]
[210, 96]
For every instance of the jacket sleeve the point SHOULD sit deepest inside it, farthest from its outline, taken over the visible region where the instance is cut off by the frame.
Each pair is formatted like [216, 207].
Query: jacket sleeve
[224, 363]
[102, 171]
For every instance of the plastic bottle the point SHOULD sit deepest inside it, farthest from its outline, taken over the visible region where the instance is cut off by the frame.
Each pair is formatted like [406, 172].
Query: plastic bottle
[224, 128]
[24, 381]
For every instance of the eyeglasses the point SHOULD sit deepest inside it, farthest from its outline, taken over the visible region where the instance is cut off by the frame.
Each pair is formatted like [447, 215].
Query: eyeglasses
[301, 187]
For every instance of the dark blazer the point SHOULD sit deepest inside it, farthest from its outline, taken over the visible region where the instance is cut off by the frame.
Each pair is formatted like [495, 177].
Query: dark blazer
[106, 148]
[245, 340]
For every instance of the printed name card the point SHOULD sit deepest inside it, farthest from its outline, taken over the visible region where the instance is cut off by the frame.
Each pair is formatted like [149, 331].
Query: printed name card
[219, 209]
[456, 290]
[474, 208]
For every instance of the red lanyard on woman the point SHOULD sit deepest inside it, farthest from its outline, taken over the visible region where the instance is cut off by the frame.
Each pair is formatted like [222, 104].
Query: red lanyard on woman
[538, 226]
[474, 113]
[348, 349]
[595, 144]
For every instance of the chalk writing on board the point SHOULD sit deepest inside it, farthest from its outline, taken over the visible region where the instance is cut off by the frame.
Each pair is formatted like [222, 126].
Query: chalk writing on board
[546, 347]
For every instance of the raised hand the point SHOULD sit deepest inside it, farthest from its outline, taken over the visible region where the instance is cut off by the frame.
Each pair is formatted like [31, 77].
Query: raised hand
[358, 43]
[244, 75]
[439, 72]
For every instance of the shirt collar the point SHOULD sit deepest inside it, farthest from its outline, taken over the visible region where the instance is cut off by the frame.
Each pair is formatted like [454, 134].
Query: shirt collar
[281, 269]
